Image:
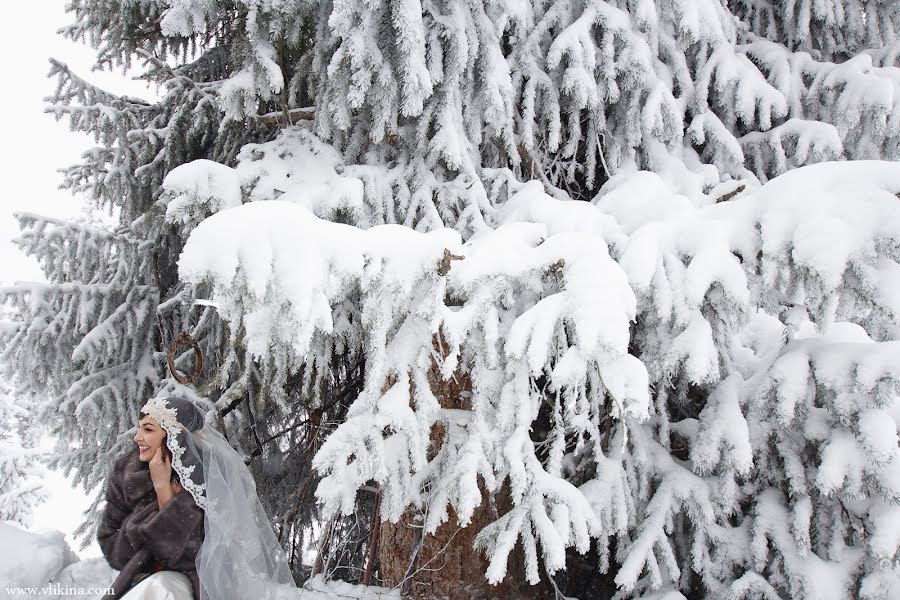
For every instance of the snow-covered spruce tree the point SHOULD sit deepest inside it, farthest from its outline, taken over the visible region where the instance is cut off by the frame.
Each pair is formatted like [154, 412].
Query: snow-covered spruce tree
[82, 339]
[585, 390]
[93, 338]
[777, 430]
[827, 29]
[536, 315]
[21, 468]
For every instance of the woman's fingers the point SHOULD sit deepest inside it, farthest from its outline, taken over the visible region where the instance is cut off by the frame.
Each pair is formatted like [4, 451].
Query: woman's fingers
[161, 457]
[160, 468]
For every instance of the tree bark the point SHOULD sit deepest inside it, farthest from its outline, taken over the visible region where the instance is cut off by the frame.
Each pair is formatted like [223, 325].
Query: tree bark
[445, 565]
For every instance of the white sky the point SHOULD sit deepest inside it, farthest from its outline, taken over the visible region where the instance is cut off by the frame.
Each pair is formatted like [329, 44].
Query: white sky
[34, 144]
[34, 147]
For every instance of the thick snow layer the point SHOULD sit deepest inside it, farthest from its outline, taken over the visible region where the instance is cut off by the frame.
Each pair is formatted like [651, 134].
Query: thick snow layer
[31, 558]
[829, 213]
[640, 198]
[291, 264]
[300, 168]
[531, 204]
[88, 573]
[199, 188]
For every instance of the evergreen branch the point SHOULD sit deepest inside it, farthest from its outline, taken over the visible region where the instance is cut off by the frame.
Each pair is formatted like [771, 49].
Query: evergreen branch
[203, 87]
[29, 219]
[78, 86]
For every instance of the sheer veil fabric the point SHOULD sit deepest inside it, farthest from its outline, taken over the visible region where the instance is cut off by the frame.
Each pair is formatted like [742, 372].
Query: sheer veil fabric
[240, 557]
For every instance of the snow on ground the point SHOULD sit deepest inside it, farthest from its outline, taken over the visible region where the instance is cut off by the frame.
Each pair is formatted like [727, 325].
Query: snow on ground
[40, 563]
[32, 558]
[319, 589]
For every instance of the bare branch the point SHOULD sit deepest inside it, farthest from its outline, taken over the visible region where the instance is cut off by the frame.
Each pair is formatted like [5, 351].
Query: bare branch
[295, 115]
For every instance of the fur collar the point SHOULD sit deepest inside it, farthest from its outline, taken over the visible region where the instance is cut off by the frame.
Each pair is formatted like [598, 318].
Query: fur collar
[136, 482]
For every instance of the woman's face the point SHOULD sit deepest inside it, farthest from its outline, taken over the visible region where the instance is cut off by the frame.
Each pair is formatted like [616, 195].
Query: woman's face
[149, 438]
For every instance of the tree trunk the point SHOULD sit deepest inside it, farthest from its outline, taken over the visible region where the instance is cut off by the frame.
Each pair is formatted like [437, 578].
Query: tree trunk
[445, 565]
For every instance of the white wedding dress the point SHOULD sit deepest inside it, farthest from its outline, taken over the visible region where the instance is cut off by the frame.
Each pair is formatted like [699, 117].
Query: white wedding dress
[164, 585]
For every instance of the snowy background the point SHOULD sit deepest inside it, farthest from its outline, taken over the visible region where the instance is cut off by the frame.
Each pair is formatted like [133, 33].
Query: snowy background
[744, 360]
[30, 175]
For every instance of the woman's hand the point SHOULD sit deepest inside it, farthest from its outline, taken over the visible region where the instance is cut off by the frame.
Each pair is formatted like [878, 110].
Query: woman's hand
[161, 474]
[160, 470]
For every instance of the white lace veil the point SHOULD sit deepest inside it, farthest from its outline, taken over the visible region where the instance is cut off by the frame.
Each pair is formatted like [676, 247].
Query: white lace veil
[240, 557]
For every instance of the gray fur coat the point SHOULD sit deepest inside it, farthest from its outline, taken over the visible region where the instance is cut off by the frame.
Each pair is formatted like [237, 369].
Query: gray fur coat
[136, 537]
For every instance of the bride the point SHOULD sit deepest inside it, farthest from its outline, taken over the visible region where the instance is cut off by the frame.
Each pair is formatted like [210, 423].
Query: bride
[182, 519]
